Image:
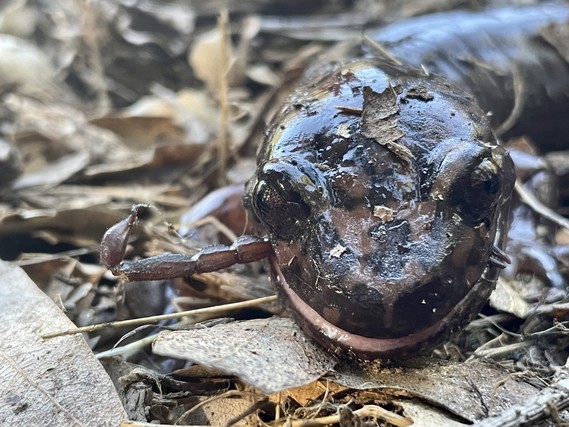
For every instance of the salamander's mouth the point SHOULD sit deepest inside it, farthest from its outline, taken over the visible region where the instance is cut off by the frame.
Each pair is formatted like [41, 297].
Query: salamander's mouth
[353, 345]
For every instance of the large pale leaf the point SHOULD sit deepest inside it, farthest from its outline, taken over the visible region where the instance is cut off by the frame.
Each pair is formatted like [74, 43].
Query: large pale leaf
[53, 382]
[270, 354]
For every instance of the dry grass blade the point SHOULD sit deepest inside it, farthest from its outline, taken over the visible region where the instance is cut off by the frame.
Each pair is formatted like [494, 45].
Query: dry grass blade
[223, 143]
[381, 50]
[154, 319]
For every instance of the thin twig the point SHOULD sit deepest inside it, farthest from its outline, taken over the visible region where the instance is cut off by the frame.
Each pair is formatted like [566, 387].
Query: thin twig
[532, 201]
[92, 35]
[519, 103]
[379, 48]
[368, 411]
[154, 319]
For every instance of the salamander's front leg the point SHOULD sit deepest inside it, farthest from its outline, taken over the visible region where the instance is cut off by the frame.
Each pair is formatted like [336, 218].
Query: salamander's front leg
[169, 265]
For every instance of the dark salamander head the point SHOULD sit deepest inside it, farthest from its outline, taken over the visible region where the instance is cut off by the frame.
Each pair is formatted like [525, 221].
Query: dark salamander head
[383, 192]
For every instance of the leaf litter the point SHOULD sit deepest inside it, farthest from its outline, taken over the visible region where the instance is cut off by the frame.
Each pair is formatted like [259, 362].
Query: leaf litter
[111, 103]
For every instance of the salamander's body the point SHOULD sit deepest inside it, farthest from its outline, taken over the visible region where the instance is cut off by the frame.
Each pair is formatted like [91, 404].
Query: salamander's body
[383, 188]
[515, 61]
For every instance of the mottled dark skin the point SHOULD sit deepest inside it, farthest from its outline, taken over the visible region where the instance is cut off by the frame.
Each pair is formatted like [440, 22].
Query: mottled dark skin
[379, 253]
[320, 180]
[382, 188]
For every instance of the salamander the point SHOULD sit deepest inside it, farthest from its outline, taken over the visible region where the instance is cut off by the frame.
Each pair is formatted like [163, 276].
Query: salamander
[381, 187]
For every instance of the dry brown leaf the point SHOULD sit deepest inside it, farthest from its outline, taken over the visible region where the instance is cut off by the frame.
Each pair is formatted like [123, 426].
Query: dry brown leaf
[23, 63]
[269, 354]
[69, 224]
[427, 415]
[47, 382]
[54, 173]
[194, 111]
[219, 412]
[380, 117]
[471, 391]
[142, 132]
[17, 18]
[206, 58]
[507, 298]
[167, 156]
[308, 393]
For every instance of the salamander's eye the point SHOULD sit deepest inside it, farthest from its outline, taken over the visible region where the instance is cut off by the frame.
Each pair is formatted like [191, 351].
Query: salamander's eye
[287, 192]
[482, 191]
[280, 208]
[266, 200]
[486, 178]
[471, 177]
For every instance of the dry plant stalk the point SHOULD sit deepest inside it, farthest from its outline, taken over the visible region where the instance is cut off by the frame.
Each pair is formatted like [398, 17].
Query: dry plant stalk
[223, 139]
[154, 319]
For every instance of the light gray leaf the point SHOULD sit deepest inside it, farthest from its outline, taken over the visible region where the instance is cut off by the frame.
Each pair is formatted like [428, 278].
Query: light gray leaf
[52, 382]
[269, 354]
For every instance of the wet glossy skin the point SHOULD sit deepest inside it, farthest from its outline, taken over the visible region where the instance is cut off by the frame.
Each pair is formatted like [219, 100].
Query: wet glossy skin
[381, 243]
[382, 188]
[379, 252]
